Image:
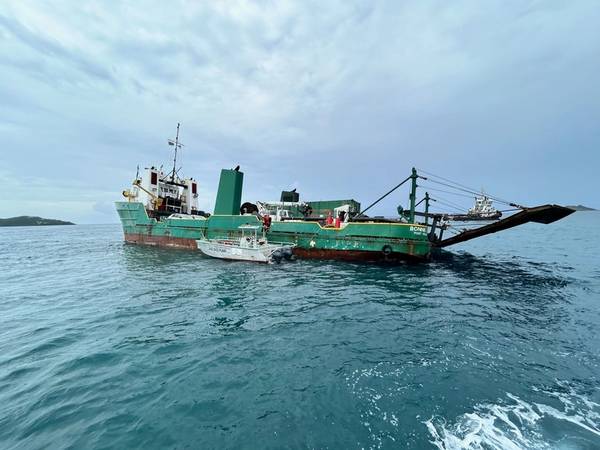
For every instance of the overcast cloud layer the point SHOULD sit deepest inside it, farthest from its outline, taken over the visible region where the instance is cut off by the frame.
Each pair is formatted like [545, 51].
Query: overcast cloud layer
[338, 99]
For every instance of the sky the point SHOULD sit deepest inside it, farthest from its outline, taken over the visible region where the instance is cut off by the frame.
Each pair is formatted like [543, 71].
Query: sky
[339, 99]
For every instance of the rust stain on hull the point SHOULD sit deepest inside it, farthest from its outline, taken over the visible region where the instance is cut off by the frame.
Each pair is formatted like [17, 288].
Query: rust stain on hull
[355, 255]
[161, 241]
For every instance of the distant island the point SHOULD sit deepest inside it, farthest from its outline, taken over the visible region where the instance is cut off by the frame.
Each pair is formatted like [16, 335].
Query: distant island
[27, 221]
[581, 208]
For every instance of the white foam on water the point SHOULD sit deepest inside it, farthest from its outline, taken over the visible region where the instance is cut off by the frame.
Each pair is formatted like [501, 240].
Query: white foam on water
[378, 417]
[517, 424]
[557, 417]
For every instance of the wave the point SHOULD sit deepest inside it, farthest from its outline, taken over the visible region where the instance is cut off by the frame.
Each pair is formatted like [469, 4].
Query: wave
[516, 424]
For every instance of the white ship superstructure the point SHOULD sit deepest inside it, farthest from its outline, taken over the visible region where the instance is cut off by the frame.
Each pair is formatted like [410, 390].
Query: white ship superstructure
[165, 193]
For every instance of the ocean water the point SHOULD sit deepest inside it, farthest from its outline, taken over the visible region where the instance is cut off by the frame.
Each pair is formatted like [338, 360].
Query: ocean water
[493, 346]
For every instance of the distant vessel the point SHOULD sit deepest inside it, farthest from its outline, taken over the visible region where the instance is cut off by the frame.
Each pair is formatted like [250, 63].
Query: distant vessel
[249, 247]
[481, 210]
[162, 209]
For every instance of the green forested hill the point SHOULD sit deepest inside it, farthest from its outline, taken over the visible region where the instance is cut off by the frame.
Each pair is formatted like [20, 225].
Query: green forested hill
[23, 221]
[581, 208]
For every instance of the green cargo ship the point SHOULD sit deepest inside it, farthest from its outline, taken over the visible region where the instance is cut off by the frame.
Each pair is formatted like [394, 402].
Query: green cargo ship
[162, 210]
[364, 240]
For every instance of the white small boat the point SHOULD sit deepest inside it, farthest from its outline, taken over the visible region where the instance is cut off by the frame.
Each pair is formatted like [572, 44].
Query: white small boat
[250, 247]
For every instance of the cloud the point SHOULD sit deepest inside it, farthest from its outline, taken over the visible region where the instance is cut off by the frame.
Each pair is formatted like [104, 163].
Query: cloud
[43, 46]
[338, 98]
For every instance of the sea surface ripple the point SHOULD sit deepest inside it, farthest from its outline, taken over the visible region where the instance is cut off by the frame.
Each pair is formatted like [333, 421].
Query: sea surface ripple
[493, 346]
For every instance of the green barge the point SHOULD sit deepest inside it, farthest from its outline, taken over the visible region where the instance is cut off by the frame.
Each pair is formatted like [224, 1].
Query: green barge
[364, 240]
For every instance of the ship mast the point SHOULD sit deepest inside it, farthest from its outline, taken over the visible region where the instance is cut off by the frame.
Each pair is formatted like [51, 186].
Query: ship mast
[175, 143]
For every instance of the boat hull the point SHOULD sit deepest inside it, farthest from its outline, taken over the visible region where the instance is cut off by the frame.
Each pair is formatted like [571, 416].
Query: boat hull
[228, 251]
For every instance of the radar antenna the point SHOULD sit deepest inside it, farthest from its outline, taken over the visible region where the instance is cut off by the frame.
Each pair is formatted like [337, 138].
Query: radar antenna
[178, 145]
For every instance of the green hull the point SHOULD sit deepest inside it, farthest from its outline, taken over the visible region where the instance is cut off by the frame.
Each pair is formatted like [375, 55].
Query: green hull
[365, 241]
